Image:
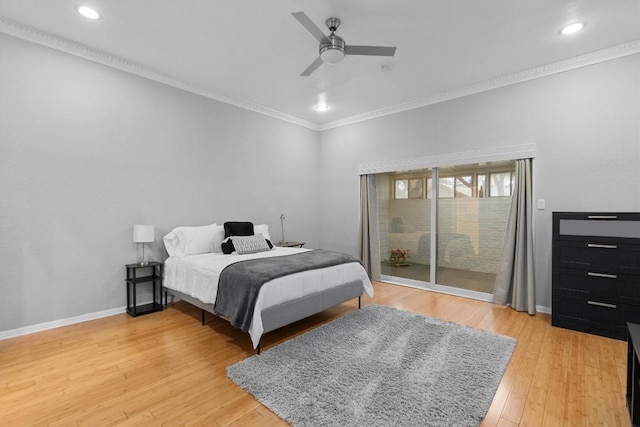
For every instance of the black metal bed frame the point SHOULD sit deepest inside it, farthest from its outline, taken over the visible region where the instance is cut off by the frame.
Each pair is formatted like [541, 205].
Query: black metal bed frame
[291, 311]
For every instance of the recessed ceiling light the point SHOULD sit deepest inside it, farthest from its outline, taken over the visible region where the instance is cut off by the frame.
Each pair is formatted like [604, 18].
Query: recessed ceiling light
[88, 12]
[321, 107]
[572, 28]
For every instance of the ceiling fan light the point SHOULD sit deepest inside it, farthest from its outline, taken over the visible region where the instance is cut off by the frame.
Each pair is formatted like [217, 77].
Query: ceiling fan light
[332, 49]
[332, 55]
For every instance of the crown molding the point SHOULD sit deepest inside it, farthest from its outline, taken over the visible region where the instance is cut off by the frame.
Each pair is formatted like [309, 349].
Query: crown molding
[34, 35]
[591, 58]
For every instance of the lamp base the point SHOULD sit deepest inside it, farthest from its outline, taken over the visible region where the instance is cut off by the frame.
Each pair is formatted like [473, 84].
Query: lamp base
[143, 263]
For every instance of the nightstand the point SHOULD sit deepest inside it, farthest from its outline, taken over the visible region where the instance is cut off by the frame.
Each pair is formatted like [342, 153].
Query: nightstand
[290, 244]
[153, 272]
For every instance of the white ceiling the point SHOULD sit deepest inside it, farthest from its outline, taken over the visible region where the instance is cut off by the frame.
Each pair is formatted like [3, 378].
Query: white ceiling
[251, 52]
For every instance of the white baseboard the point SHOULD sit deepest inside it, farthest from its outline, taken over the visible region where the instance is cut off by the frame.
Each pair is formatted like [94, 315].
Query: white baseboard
[119, 310]
[543, 309]
[58, 323]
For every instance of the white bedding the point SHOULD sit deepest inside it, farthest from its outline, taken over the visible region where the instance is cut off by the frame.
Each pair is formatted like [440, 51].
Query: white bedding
[198, 275]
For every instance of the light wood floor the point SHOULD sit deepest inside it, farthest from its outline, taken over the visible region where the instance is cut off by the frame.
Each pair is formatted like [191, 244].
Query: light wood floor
[166, 369]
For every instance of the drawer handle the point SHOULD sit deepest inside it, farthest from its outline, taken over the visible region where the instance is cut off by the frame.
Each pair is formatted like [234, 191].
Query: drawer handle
[607, 276]
[602, 217]
[598, 245]
[602, 304]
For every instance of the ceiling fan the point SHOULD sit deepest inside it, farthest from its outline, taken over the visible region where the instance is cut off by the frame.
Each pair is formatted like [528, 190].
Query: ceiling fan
[333, 48]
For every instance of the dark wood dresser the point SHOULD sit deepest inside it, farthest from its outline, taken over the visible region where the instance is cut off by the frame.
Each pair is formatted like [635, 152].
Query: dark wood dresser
[596, 272]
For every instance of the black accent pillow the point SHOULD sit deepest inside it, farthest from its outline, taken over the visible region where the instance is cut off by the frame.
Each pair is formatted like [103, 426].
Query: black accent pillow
[238, 228]
[227, 246]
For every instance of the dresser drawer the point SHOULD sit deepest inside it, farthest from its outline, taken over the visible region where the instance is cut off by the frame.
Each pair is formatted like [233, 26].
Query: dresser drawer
[599, 285]
[593, 316]
[615, 257]
[608, 226]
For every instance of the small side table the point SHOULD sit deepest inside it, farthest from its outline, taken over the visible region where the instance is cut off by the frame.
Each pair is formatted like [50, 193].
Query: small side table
[633, 373]
[290, 244]
[133, 280]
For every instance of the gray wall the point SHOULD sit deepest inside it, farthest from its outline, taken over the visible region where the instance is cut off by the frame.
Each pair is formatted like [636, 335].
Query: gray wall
[87, 151]
[585, 124]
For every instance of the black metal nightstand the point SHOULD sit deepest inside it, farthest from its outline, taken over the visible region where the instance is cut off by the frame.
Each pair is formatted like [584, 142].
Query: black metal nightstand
[155, 277]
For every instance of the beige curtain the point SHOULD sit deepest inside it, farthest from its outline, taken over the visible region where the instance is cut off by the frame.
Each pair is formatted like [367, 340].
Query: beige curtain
[368, 233]
[515, 283]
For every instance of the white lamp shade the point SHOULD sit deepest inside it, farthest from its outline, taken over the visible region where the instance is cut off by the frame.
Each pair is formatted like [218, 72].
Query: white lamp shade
[143, 233]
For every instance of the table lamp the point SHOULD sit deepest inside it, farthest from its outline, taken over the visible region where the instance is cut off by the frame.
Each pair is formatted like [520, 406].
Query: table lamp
[143, 234]
[282, 218]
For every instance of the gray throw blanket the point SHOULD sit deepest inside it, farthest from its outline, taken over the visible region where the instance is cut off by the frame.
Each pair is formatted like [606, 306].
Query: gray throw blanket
[240, 282]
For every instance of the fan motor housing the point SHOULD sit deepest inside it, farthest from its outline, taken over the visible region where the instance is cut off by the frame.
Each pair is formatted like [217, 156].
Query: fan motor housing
[332, 49]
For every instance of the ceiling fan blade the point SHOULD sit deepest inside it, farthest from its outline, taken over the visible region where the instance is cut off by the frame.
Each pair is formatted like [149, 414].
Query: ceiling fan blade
[311, 68]
[370, 50]
[310, 26]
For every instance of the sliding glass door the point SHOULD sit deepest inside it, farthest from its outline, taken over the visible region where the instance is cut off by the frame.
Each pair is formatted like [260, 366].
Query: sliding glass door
[404, 204]
[468, 207]
[473, 207]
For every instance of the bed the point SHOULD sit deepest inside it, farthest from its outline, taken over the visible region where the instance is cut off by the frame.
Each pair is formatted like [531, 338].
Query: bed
[199, 272]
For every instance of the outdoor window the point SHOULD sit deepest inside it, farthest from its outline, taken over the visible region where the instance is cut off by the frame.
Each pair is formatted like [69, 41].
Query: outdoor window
[464, 186]
[456, 186]
[501, 184]
[446, 187]
[482, 184]
[409, 188]
[402, 189]
[415, 188]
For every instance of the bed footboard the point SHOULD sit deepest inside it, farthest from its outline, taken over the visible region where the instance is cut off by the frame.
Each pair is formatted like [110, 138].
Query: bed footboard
[292, 311]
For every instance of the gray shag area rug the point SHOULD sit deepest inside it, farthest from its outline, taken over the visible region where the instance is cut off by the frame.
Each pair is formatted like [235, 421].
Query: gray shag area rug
[379, 366]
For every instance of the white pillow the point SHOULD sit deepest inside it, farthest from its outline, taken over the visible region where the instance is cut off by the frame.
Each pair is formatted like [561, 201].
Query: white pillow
[262, 229]
[172, 244]
[218, 237]
[182, 241]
